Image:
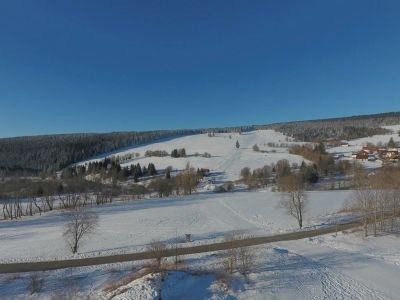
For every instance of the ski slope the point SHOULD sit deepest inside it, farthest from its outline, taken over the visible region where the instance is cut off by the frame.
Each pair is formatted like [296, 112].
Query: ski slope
[225, 160]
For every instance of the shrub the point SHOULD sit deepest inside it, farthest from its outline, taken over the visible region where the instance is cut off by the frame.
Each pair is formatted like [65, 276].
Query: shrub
[35, 284]
[157, 250]
[206, 155]
[178, 153]
[157, 153]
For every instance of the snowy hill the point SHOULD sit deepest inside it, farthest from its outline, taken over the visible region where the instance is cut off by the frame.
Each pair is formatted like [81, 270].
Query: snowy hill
[225, 158]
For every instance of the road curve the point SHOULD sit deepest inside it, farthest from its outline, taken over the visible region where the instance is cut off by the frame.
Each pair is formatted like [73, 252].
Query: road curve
[99, 260]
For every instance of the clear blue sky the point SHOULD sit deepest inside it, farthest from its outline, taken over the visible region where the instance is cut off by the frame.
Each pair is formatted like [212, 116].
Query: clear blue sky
[99, 66]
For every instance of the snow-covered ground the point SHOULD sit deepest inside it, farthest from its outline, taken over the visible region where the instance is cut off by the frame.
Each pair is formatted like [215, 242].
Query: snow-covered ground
[343, 266]
[130, 226]
[225, 159]
[346, 266]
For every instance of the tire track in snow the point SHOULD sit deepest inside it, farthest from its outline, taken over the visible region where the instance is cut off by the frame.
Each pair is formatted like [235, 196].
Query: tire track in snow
[333, 284]
[237, 213]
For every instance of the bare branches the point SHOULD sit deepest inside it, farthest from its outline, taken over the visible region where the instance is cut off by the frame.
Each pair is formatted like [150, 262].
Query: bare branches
[157, 250]
[293, 198]
[12, 209]
[375, 196]
[80, 223]
[238, 258]
[246, 260]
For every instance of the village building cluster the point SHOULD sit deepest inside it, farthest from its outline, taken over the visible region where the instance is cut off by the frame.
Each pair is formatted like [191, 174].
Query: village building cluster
[372, 153]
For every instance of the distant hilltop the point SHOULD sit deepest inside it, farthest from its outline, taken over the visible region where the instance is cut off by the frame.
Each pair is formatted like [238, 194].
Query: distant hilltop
[31, 155]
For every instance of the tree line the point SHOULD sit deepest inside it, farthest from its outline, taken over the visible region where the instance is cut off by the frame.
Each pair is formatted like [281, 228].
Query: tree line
[346, 128]
[26, 156]
[184, 183]
[110, 168]
[27, 197]
[376, 198]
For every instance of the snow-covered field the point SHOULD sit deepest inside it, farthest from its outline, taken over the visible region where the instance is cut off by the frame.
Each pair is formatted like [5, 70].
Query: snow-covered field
[130, 226]
[225, 158]
[343, 266]
[226, 161]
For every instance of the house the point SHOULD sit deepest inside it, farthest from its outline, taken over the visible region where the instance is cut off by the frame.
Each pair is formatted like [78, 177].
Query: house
[392, 154]
[382, 153]
[371, 149]
[362, 155]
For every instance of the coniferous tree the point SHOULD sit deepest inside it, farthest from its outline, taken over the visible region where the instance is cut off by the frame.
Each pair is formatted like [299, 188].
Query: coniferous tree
[391, 143]
[168, 173]
[174, 153]
[182, 152]
[151, 169]
[320, 148]
[139, 170]
[237, 144]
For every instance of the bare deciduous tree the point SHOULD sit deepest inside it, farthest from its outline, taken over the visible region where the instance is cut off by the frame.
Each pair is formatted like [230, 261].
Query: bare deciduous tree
[246, 260]
[363, 195]
[231, 254]
[362, 199]
[188, 180]
[157, 250]
[238, 258]
[293, 198]
[80, 223]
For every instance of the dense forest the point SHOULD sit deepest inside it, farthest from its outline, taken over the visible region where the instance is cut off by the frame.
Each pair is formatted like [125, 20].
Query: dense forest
[24, 156]
[31, 155]
[337, 128]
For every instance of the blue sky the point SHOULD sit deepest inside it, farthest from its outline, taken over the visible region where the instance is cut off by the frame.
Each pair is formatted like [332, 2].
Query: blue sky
[100, 66]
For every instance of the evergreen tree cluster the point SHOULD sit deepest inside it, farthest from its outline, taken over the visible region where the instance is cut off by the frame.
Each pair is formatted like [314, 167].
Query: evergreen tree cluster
[309, 172]
[109, 168]
[178, 153]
